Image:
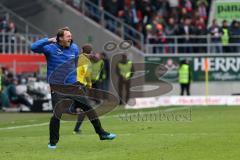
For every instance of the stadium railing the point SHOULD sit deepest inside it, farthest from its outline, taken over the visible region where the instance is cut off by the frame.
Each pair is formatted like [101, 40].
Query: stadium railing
[204, 44]
[17, 43]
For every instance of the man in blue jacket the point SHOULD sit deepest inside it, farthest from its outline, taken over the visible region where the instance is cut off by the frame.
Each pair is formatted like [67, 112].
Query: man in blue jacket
[60, 51]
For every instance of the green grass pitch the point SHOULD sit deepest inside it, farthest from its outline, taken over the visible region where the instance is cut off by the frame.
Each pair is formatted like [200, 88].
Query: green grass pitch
[211, 133]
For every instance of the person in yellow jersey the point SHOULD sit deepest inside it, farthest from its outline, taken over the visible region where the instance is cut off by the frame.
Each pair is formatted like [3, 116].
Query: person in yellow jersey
[184, 77]
[84, 70]
[125, 70]
[84, 73]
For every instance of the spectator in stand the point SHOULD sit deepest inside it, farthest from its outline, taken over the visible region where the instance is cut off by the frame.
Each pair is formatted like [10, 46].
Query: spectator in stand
[185, 31]
[183, 15]
[215, 32]
[12, 28]
[171, 29]
[4, 25]
[113, 7]
[149, 34]
[225, 36]
[162, 7]
[161, 39]
[188, 4]
[147, 12]
[134, 15]
[202, 8]
[200, 31]
[11, 36]
[235, 36]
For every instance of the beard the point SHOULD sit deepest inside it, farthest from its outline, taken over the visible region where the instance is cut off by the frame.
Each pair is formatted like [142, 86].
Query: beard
[66, 43]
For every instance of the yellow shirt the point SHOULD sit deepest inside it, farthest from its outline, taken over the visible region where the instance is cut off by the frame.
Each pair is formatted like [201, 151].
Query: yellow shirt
[84, 70]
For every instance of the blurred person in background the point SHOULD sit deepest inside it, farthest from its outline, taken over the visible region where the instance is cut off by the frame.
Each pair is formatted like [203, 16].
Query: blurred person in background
[202, 8]
[111, 6]
[185, 31]
[235, 36]
[105, 73]
[215, 32]
[10, 95]
[184, 77]
[97, 71]
[225, 36]
[84, 71]
[171, 30]
[200, 31]
[125, 72]
[89, 74]
[188, 4]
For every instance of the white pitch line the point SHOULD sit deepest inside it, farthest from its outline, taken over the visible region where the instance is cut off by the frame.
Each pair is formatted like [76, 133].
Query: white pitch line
[40, 124]
[101, 117]
[25, 126]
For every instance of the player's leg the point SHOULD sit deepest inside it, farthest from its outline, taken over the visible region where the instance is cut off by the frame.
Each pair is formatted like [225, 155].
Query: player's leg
[120, 90]
[188, 89]
[127, 88]
[93, 117]
[54, 125]
[182, 89]
[80, 119]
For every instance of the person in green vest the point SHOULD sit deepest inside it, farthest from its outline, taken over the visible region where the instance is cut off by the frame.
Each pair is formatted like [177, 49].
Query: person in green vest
[184, 77]
[98, 71]
[225, 36]
[97, 75]
[125, 70]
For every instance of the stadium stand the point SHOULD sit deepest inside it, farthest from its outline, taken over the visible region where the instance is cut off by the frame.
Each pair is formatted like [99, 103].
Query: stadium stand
[155, 19]
[167, 26]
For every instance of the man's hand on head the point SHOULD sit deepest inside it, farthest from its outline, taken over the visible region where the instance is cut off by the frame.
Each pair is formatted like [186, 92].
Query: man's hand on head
[52, 40]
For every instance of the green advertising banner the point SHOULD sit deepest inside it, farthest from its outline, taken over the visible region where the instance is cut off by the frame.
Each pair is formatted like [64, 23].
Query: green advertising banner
[227, 10]
[221, 68]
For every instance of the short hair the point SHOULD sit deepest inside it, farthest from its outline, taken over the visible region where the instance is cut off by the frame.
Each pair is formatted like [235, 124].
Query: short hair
[87, 48]
[224, 21]
[60, 32]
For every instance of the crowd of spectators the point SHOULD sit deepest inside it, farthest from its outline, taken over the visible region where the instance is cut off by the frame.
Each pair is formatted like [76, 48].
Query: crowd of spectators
[161, 21]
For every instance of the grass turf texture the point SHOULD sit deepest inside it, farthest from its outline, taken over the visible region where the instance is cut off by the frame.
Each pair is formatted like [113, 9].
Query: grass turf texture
[211, 134]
